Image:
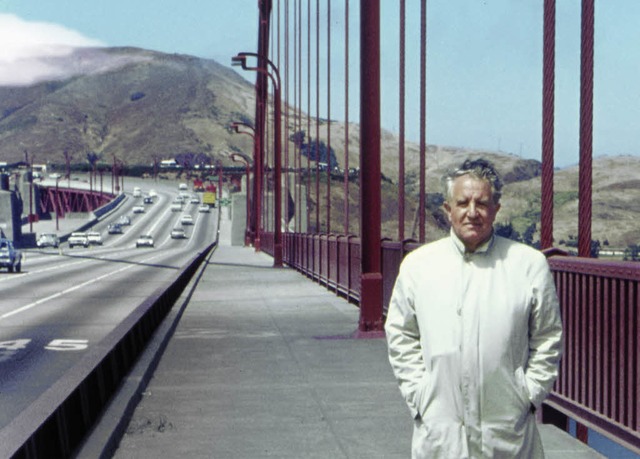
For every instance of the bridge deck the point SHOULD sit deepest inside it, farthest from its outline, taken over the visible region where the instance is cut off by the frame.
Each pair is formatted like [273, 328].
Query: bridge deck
[262, 364]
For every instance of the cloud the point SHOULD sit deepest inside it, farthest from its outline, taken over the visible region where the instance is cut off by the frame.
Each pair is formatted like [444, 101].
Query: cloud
[28, 50]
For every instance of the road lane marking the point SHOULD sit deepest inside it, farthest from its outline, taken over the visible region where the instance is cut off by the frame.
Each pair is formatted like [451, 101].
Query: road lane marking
[28, 273]
[71, 289]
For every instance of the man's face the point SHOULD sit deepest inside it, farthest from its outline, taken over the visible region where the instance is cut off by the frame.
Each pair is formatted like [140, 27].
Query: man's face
[471, 210]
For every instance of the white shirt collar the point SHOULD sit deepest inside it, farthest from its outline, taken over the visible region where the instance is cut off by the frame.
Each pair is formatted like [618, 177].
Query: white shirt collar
[459, 245]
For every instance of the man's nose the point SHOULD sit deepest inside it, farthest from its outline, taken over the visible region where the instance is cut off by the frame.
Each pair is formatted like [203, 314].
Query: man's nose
[472, 211]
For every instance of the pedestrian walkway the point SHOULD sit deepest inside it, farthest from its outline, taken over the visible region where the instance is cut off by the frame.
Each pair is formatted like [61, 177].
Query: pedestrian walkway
[263, 363]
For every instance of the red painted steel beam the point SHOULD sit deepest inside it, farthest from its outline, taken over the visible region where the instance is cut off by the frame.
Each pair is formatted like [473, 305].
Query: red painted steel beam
[422, 200]
[370, 193]
[260, 118]
[401, 121]
[548, 105]
[586, 129]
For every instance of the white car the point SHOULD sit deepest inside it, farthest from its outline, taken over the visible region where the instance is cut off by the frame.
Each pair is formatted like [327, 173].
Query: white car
[78, 239]
[204, 208]
[186, 219]
[178, 233]
[195, 200]
[48, 240]
[124, 220]
[138, 209]
[144, 240]
[94, 237]
[176, 207]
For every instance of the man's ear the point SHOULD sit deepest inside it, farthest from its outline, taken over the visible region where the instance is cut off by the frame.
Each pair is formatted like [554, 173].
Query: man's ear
[447, 209]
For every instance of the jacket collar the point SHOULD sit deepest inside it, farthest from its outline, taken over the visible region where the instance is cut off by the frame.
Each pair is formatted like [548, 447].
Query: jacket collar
[459, 245]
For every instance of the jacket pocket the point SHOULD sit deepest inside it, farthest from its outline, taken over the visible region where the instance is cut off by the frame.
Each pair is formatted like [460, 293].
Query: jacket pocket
[422, 394]
[523, 390]
[523, 396]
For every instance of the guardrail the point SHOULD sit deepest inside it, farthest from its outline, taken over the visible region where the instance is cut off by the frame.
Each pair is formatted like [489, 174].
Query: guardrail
[599, 383]
[55, 424]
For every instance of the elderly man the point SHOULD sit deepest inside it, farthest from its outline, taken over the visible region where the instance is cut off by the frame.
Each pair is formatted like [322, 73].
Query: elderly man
[474, 331]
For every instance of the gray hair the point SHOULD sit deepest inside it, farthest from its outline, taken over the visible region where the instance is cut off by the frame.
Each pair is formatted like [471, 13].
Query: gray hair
[479, 168]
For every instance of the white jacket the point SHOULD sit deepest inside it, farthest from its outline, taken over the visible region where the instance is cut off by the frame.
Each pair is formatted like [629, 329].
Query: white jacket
[474, 340]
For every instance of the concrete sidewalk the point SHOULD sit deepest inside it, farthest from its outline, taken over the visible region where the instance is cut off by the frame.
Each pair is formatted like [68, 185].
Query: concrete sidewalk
[262, 364]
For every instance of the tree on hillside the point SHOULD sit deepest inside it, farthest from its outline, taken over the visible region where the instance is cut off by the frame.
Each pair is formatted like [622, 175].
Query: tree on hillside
[315, 150]
[508, 231]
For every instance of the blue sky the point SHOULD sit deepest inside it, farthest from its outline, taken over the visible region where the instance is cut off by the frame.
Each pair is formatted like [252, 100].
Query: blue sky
[484, 78]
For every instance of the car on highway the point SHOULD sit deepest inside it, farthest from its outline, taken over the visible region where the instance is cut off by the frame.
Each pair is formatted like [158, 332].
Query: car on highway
[78, 239]
[10, 257]
[178, 233]
[183, 186]
[186, 219]
[147, 200]
[114, 228]
[138, 209]
[194, 200]
[94, 237]
[144, 240]
[204, 208]
[153, 193]
[48, 240]
[124, 220]
[179, 199]
[176, 207]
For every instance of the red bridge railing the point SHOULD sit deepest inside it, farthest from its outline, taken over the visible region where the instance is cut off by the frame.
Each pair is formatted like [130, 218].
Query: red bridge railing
[598, 383]
[65, 200]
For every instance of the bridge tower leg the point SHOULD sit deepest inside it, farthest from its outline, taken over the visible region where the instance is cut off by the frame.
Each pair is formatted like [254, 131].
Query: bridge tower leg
[371, 320]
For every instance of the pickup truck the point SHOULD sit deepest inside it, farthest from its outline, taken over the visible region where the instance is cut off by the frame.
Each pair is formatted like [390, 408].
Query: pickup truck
[10, 258]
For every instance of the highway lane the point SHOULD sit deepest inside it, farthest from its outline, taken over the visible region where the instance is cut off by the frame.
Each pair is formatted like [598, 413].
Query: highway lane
[67, 300]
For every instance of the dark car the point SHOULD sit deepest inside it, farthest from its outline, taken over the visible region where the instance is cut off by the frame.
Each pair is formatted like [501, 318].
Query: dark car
[115, 228]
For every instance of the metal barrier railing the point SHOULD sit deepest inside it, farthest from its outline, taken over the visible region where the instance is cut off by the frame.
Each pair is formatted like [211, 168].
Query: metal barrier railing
[598, 384]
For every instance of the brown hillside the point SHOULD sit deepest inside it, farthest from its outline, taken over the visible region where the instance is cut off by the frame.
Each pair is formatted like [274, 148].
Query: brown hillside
[142, 105]
[133, 103]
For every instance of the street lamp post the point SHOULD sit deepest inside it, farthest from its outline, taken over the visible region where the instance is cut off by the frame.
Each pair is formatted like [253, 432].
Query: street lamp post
[30, 175]
[241, 60]
[67, 161]
[253, 229]
[241, 159]
[57, 204]
[114, 176]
